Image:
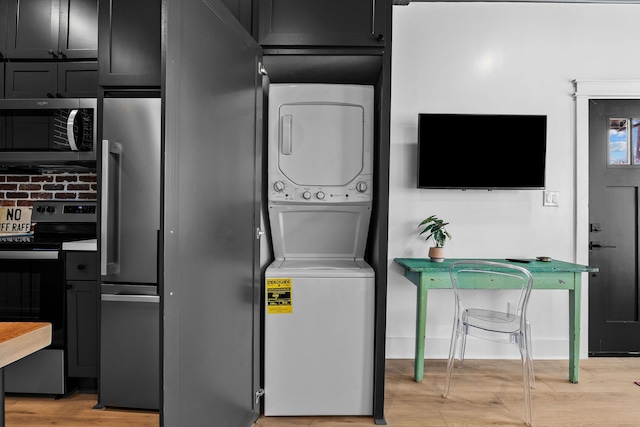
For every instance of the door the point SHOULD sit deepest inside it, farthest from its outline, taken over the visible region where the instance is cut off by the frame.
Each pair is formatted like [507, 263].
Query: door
[129, 46]
[131, 141]
[210, 286]
[78, 29]
[614, 183]
[32, 29]
[313, 150]
[322, 23]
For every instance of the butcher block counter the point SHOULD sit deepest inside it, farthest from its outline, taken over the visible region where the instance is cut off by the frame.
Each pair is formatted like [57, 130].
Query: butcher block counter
[17, 340]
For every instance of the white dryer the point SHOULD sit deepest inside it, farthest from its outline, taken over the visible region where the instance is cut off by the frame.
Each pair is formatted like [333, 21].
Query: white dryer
[320, 293]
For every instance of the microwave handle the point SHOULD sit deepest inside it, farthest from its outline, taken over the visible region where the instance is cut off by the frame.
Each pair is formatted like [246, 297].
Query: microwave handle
[70, 136]
[110, 236]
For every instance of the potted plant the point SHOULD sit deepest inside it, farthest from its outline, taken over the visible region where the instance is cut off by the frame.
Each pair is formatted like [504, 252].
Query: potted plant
[436, 229]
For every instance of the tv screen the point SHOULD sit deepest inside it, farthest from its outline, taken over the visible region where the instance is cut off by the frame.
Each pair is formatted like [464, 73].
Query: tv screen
[482, 151]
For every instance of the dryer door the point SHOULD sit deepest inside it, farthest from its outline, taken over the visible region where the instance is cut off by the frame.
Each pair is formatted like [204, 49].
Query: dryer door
[321, 144]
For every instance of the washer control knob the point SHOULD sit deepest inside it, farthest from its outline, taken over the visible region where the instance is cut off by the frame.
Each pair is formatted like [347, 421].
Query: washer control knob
[306, 195]
[361, 186]
[278, 186]
[320, 195]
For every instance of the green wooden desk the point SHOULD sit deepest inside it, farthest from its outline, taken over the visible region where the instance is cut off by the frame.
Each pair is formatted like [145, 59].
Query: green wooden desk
[426, 275]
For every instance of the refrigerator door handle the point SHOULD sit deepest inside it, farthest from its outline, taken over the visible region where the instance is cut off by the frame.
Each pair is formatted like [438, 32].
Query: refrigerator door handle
[110, 208]
[130, 298]
[70, 135]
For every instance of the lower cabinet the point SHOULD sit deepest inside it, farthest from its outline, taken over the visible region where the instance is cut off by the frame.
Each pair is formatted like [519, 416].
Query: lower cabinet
[82, 316]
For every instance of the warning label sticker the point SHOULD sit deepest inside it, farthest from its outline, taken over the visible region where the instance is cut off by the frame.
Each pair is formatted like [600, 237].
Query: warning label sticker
[279, 296]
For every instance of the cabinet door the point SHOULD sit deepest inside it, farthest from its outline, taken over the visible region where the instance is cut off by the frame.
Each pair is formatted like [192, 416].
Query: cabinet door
[77, 79]
[322, 23]
[82, 330]
[3, 27]
[78, 29]
[32, 30]
[30, 79]
[129, 51]
[51, 79]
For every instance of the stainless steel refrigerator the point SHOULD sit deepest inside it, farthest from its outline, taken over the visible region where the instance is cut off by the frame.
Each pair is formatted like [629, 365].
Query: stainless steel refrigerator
[130, 223]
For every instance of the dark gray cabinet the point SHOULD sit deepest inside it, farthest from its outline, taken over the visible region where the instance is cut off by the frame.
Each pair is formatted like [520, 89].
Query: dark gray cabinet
[52, 29]
[322, 23]
[3, 28]
[82, 314]
[51, 79]
[129, 37]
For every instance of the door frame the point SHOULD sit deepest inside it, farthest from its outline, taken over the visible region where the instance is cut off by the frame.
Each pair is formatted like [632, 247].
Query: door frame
[586, 90]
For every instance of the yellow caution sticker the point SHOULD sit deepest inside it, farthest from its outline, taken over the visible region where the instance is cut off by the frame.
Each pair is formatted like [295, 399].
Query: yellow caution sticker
[279, 296]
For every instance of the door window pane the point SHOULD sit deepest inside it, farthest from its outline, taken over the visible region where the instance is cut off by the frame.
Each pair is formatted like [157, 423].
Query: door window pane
[635, 128]
[618, 142]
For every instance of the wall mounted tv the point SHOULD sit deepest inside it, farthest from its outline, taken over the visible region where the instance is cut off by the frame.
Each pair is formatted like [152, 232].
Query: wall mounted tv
[482, 151]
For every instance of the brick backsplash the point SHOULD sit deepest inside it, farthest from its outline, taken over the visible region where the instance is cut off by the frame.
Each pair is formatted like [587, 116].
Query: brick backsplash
[23, 190]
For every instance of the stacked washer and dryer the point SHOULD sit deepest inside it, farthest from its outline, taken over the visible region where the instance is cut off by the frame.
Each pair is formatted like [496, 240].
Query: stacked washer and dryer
[320, 293]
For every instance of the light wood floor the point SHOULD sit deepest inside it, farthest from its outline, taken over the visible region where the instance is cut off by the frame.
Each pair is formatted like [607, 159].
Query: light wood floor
[483, 393]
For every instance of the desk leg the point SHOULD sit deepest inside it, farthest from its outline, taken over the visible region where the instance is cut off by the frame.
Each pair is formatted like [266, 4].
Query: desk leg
[421, 320]
[574, 329]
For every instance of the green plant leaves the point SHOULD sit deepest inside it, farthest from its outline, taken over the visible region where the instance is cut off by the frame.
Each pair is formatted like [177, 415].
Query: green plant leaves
[436, 229]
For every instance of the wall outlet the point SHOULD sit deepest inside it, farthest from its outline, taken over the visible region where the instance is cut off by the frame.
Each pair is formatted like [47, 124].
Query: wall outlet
[550, 198]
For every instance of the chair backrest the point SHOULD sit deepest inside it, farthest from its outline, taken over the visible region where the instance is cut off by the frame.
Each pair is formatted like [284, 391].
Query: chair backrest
[481, 274]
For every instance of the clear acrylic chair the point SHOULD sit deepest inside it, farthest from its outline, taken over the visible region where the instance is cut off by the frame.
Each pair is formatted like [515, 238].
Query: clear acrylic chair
[509, 326]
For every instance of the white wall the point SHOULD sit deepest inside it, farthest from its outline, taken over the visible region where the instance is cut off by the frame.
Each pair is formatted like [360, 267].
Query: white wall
[518, 58]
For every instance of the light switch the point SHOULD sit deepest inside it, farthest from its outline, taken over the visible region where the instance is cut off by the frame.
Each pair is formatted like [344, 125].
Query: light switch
[550, 198]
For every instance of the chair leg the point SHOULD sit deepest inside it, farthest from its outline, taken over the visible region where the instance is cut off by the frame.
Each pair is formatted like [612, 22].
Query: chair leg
[463, 347]
[452, 356]
[526, 376]
[532, 376]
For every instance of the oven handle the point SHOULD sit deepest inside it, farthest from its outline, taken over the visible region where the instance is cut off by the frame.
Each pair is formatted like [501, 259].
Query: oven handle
[110, 236]
[28, 255]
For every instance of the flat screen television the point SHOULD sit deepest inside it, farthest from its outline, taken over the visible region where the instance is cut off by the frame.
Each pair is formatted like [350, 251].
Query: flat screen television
[482, 151]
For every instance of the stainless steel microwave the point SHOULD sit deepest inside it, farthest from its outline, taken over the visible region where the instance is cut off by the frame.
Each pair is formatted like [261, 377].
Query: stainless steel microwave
[48, 131]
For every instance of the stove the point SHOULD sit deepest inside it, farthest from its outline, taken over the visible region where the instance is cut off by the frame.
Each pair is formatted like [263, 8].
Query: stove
[53, 223]
[33, 289]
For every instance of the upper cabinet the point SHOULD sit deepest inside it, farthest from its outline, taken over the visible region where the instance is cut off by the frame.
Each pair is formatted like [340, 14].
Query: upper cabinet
[52, 29]
[330, 23]
[130, 43]
[48, 79]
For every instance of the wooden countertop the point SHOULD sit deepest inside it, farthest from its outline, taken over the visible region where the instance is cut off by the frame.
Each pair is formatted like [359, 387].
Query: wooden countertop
[20, 339]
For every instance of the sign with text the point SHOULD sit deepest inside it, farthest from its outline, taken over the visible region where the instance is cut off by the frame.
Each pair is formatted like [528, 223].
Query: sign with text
[279, 296]
[15, 220]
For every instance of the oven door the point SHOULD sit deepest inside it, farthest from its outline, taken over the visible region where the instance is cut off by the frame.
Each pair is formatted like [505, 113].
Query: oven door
[32, 288]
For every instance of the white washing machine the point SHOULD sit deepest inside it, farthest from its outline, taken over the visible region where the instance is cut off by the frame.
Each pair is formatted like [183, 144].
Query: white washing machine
[320, 293]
